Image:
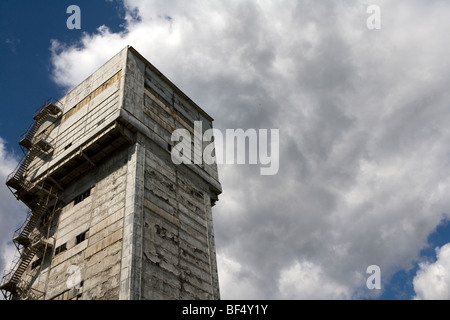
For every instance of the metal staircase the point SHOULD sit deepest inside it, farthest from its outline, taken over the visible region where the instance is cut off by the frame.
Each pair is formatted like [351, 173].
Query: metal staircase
[49, 108]
[29, 244]
[27, 239]
[12, 278]
[22, 235]
[34, 144]
[16, 180]
[25, 293]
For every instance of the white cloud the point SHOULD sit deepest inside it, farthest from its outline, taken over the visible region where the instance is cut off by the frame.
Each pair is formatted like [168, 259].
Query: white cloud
[363, 119]
[432, 281]
[307, 281]
[80, 62]
[235, 281]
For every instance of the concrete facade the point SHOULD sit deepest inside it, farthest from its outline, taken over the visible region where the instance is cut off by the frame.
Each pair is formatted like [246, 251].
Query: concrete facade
[111, 217]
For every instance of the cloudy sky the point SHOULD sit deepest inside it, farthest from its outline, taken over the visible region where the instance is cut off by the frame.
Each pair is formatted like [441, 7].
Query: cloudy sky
[363, 115]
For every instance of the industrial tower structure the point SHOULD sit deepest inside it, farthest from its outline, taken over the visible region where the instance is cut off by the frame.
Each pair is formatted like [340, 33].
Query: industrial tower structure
[111, 216]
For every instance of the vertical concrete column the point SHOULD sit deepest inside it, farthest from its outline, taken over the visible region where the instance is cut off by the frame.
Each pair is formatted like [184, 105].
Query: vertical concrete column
[130, 276]
[211, 248]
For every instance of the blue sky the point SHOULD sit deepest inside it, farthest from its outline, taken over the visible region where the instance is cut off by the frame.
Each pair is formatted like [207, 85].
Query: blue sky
[363, 118]
[400, 286]
[27, 28]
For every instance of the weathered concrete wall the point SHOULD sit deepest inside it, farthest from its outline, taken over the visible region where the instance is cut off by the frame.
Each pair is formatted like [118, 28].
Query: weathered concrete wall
[178, 239]
[174, 248]
[130, 280]
[168, 244]
[149, 232]
[98, 257]
[87, 109]
[156, 107]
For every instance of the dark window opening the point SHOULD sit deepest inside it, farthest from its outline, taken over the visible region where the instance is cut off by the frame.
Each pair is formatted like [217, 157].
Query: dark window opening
[82, 196]
[68, 146]
[81, 237]
[60, 249]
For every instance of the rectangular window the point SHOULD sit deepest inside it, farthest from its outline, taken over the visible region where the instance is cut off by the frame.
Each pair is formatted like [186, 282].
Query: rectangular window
[82, 196]
[60, 249]
[81, 237]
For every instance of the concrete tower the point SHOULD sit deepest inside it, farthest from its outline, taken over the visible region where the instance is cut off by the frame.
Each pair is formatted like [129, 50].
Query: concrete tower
[111, 216]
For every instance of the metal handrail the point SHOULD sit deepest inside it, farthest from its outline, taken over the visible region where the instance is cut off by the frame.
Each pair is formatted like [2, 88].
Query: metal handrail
[38, 110]
[25, 223]
[8, 274]
[17, 168]
[50, 101]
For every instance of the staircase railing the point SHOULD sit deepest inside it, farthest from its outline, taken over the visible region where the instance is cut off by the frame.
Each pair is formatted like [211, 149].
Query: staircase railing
[16, 179]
